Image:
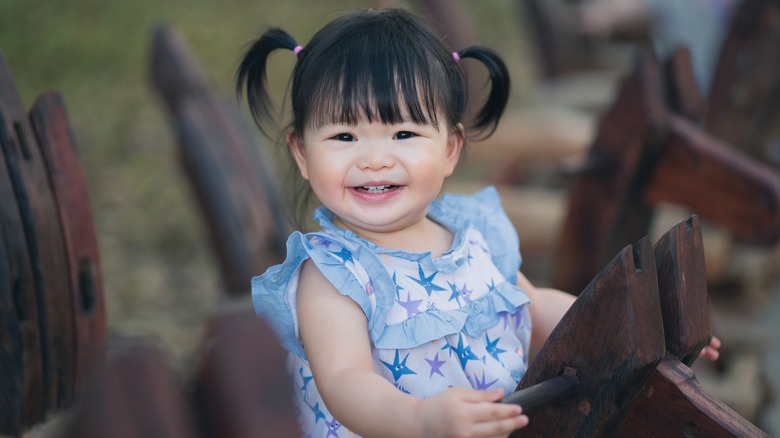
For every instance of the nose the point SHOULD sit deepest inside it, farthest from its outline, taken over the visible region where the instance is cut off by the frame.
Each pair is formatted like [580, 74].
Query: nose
[375, 156]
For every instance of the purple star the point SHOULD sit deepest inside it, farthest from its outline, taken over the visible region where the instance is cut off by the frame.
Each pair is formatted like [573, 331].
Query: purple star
[435, 364]
[333, 427]
[518, 318]
[482, 385]
[465, 293]
[410, 305]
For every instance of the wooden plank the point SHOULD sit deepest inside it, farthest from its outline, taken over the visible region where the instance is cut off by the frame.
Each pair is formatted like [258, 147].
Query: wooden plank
[21, 363]
[50, 121]
[682, 288]
[683, 95]
[235, 187]
[744, 103]
[717, 182]
[605, 209]
[674, 404]
[135, 395]
[36, 205]
[242, 388]
[612, 337]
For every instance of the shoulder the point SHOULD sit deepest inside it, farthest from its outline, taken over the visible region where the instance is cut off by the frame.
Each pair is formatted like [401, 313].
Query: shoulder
[484, 211]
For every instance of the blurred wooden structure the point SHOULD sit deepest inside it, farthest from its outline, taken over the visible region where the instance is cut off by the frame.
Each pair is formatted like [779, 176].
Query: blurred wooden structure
[744, 104]
[51, 292]
[236, 188]
[645, 153]
[240, 388]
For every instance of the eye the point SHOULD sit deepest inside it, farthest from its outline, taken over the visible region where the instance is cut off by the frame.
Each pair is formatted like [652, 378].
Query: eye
[344, 137]
[403, 135]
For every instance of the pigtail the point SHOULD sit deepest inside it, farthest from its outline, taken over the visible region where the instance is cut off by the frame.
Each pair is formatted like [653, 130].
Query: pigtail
[252, 72]
[486, 120]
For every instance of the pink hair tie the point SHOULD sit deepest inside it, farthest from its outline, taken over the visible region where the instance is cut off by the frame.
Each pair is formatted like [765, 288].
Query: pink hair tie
[297, 50]
[455, 56]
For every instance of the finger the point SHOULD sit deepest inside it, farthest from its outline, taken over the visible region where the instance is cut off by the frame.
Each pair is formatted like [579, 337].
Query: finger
[715, 342]
[500, 427]
[485, 412]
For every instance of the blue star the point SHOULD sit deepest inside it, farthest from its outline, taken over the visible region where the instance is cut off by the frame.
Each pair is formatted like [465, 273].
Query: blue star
[455, 293]
[410, 305]
[464, 353]
[398, 368]
[322, 241]
[492, 347]
[426, 282]
[398, 288]
[344, 255]
[306, 380]
[492, 285]
[333, 427]
[317, 412]
[482, 384]
[435, 364]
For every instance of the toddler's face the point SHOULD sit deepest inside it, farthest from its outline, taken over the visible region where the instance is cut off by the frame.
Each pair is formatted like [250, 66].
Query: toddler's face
[377, 177]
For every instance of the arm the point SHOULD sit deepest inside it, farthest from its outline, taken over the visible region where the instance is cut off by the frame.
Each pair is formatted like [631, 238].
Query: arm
[335, 337]
[547, 308]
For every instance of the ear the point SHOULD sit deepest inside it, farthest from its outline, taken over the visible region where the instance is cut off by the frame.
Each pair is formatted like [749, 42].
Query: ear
[454, 148]
[298, 151]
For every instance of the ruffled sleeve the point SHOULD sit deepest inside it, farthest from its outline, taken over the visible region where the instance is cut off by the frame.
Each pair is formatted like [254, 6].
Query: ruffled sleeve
[485, 212]
[274, 292]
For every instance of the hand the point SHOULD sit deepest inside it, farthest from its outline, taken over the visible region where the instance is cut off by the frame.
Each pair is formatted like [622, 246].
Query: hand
[711, 350]
[462, 412]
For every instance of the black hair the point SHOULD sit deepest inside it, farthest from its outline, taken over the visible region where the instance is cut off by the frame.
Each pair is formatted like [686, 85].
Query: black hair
[381, 65]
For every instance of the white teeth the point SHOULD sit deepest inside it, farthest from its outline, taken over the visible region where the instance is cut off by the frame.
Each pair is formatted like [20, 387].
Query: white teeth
[376, 189]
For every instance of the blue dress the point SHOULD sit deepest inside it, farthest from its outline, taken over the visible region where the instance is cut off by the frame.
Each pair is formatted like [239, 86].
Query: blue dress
[454, 320]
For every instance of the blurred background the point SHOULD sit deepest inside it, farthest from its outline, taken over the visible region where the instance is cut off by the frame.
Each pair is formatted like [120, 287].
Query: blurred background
[160, 274]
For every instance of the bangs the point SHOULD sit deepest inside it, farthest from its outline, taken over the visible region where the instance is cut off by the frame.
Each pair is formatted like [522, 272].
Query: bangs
[378, 74]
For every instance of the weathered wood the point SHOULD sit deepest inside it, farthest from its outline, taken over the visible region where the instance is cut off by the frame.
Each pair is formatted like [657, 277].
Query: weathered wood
[50, 121]
[682, 288]
[241, 387]
[21, 362]
[674, 404]
[605, 206]
[544, 393]
[718, 182]
[683, 95]
[612, 337]
[744, 103]
[45, 245]
[644, 154]
[135, 395]
[235, 187]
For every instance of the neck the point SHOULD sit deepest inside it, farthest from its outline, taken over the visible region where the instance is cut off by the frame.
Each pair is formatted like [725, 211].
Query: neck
[424, 236]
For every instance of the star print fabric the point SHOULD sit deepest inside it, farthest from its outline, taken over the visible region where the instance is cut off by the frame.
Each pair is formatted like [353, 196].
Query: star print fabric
[454, 320]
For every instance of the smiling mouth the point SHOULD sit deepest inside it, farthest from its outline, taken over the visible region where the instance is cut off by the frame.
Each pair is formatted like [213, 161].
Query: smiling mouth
[376, 189]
